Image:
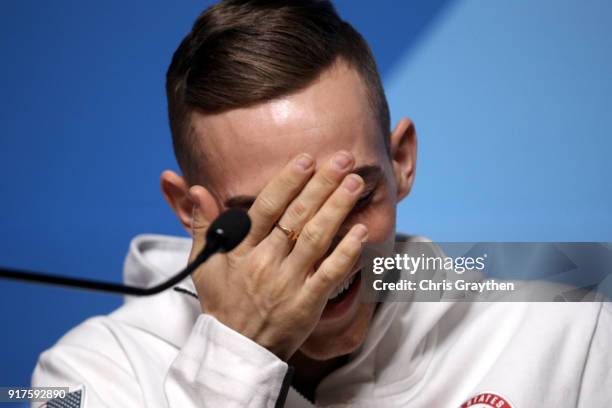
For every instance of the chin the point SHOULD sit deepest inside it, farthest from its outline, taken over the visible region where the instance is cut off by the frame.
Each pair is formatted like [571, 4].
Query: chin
[326, 343]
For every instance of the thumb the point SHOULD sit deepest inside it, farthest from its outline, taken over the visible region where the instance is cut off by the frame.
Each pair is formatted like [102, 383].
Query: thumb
[199, 223]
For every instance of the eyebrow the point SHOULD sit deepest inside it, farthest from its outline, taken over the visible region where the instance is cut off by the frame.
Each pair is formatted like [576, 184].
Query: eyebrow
[370, 173]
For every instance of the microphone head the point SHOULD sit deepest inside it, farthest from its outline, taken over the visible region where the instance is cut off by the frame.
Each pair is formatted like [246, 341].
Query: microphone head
[229, 229]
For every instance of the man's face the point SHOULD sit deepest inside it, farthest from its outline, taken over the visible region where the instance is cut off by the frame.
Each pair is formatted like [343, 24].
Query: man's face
[245, 148]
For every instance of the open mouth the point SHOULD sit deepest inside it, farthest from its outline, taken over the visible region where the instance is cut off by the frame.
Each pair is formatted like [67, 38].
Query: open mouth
[342, 288]
[343, 297]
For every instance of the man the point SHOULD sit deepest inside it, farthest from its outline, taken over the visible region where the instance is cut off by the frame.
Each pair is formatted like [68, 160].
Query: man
[277, 107]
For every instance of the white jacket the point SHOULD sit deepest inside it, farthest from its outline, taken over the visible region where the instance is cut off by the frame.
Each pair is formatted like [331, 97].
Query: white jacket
[161, 351]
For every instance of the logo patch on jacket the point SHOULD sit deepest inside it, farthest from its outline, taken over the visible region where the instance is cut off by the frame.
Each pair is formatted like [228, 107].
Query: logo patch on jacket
[487, 400]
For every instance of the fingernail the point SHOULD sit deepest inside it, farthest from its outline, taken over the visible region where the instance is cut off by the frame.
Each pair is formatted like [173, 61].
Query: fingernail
[341, 160]
[304, 162]
[351, 183]
[360, 232]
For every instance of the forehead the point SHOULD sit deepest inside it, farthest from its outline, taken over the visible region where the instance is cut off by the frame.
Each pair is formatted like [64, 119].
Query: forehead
[244, 148]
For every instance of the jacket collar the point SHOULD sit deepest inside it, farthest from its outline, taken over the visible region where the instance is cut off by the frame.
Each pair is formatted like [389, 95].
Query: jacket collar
[169, 315]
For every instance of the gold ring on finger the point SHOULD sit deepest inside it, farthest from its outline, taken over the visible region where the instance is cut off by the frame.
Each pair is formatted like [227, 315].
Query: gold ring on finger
[291, 234]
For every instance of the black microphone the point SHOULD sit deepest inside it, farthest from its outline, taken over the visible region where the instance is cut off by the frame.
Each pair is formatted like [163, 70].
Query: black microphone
[223, 235]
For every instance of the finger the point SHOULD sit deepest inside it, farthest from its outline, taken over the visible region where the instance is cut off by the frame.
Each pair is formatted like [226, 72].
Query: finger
[276, 195]
[318, 233]
[312, 197]
[199, 224]
[337, 267]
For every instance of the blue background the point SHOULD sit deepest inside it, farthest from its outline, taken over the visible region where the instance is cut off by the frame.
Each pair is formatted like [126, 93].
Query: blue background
[511, 101]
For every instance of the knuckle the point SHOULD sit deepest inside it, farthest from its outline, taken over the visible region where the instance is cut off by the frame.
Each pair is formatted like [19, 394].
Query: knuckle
[297, 210]
[198, 224]
[266, 207]
[338, 204]
[313, 236]
[233, 262]
[326, 277]
[198, 227]
[344, 255]
[328, 219]
[286, 182]
[259, 264]
[327, 181]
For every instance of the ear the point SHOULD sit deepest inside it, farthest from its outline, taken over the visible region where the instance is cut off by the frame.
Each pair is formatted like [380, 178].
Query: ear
[403, 156]
[182, 198]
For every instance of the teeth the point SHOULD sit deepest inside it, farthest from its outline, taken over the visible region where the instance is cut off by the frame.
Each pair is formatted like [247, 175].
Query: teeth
[341, 288]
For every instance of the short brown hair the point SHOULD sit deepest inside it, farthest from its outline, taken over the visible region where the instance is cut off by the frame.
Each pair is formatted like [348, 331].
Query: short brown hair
[242, 52]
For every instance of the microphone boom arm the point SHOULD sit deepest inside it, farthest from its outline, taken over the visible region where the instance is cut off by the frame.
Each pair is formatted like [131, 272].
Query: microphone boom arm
[223, 235]
[109, 287]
